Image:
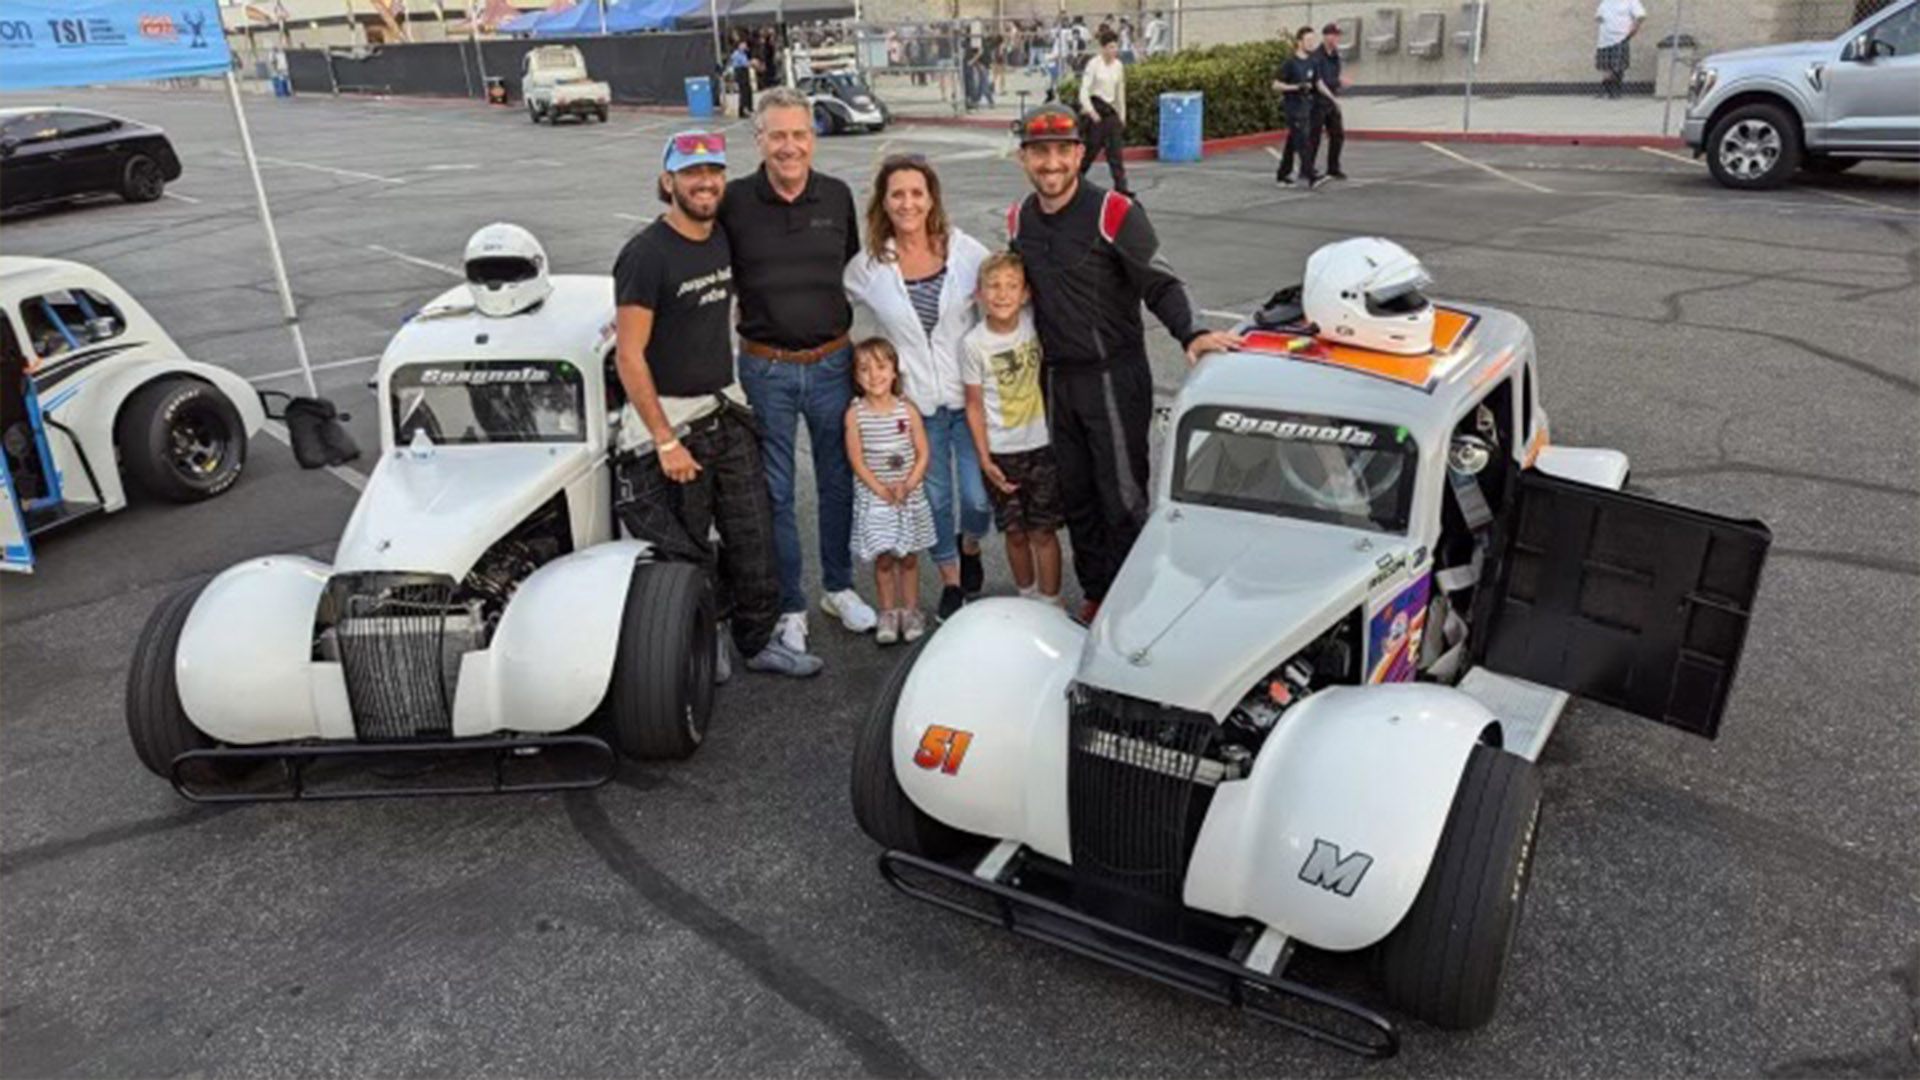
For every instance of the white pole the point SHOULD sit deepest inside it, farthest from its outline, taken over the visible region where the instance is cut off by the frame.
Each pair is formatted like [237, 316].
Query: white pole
[602, 4]
[720, 54]
[287, 308]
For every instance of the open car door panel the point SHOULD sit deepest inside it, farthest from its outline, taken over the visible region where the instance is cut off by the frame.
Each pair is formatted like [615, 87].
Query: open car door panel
[1630, 602]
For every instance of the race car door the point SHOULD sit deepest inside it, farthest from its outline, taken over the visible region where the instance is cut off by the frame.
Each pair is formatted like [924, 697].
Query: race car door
[16, 550]
[1631, 602]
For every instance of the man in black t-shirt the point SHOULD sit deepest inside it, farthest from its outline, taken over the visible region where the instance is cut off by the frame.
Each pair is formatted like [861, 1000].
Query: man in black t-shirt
[689, 456]
[1333, 127]
[1298, 81]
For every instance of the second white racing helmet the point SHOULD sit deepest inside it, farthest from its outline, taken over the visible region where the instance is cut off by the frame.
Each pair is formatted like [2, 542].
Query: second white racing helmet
[1367, 292]
[506, 270]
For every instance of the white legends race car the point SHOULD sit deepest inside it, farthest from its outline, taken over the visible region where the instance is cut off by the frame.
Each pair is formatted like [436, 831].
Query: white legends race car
[478, 608]
[91, 386]
[1309, 709]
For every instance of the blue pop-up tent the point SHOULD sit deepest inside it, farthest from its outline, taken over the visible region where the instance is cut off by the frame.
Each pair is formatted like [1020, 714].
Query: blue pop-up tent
[87, 42]
[583, 18]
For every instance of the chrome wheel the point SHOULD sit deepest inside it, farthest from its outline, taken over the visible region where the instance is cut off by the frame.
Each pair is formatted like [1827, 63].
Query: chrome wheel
[1750, 149]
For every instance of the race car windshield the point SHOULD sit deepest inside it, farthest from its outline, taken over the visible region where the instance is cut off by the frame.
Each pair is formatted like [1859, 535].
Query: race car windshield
[489, 401]
[1317, 468]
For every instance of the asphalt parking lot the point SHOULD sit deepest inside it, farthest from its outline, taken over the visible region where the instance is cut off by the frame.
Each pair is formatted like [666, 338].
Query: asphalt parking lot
[1741, 907]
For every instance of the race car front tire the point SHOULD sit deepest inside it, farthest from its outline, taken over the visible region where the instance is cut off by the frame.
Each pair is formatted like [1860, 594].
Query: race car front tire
[661, 695]
[181, 440]
[879, 804]
[156, 722]
[1443, 963]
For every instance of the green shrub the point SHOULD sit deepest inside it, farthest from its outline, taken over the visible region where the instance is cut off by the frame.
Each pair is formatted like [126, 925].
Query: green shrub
[1235, 81]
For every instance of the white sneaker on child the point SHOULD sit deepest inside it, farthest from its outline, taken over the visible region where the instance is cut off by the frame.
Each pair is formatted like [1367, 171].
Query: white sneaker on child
[853, 612]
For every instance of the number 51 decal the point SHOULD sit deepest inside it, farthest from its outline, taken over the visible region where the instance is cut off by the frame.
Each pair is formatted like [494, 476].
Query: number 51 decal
[942, 748]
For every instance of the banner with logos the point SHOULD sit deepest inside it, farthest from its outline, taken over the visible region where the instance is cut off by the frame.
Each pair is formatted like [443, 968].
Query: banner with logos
[81, 42]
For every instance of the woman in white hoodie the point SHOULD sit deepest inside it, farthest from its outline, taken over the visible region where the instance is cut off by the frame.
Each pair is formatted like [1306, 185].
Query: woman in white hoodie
[916, 278]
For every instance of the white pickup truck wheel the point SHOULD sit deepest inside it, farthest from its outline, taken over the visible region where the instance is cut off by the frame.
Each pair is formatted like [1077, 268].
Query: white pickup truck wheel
[1443, 963]
[882, 808]
[661, 696]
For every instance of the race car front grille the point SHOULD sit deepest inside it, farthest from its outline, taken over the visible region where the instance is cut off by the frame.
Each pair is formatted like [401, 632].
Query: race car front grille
[1138, 785]
[391, 634]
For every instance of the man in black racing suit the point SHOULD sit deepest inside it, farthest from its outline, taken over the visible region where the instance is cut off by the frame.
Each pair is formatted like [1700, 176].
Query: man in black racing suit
[1092, 259]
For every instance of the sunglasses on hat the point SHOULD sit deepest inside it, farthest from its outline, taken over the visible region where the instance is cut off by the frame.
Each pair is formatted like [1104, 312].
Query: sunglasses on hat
[1049, 124]
[699, 142]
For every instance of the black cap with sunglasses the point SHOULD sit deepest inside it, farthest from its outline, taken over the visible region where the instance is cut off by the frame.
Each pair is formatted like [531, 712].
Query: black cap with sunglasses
[1052, 122]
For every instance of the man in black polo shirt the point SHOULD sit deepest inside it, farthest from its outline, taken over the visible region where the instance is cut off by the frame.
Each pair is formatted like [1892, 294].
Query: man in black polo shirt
[792, 231]
[1333, 127]
[1298, 81]
[1092, 259]
[689, 458]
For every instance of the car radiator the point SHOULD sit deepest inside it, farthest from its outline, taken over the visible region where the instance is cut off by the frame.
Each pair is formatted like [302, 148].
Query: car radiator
[1140, 777]
[399, 639]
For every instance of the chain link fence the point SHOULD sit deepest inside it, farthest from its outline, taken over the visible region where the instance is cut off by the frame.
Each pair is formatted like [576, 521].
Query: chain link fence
[1553, 66]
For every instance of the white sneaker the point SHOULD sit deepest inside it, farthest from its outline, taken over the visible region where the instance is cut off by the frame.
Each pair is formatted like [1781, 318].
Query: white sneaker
[853, 612]
[791, 631]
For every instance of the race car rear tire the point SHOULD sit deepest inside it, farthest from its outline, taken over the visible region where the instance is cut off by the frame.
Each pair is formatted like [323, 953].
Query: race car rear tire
[156, 722]
[1443, 963]
[181, 440]
[661, 696]
[879, 805]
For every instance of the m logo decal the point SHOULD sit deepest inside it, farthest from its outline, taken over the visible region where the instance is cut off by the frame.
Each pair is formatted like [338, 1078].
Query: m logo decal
[1327, 869]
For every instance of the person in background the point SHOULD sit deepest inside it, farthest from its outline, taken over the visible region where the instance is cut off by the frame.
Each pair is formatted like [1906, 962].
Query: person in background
[1158, 35]
[741, 65]
[1006, 412]
[768, 58]
[1103, 102]
[1618, 21]
[1298, 81]
[1332, 125]
[1125, 32]
[792, 230]
[916, 279]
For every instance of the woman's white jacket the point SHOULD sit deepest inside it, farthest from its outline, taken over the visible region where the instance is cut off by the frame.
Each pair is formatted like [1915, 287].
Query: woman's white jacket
[929, 364]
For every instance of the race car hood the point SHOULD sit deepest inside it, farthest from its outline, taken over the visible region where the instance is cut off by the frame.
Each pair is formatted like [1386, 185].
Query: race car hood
[1210, 600]
[436, 511]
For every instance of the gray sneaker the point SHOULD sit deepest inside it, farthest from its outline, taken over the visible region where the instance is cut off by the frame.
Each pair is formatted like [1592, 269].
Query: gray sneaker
[778, 659]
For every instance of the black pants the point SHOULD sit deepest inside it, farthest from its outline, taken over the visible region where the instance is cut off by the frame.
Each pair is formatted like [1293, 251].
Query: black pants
[1333, 131]
[728, 494]
[1098, 420]
[1303, 138]
[743, 78]
[1103, 135]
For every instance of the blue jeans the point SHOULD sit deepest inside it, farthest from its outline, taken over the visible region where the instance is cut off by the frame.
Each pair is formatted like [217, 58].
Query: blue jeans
[950, 451]
[781, 394]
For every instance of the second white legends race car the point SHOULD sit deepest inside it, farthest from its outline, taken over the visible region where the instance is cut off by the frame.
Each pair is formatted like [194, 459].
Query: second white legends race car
[1309, 709]
[478, 606]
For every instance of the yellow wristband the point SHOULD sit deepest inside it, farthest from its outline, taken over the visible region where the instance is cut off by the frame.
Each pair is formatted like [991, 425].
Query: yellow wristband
[670, 444]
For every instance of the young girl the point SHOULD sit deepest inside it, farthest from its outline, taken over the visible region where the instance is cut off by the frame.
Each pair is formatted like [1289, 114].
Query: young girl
[892, 521]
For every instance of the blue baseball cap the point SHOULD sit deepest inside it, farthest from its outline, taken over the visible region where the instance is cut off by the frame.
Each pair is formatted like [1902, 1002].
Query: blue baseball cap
[689, 148]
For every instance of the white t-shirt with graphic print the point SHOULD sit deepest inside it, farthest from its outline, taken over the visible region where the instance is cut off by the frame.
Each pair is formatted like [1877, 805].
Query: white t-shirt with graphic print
[1006, 368]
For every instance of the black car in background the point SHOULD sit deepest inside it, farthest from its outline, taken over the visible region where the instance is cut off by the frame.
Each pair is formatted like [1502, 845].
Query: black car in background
[54, 153]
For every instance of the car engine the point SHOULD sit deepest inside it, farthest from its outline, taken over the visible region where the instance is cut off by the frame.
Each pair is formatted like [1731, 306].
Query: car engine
[1332, 659]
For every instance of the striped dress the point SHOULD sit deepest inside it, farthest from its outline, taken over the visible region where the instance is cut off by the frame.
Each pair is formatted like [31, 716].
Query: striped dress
[880, 527]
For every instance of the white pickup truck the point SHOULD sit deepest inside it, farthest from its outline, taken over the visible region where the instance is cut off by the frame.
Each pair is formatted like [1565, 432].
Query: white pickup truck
[554, 80]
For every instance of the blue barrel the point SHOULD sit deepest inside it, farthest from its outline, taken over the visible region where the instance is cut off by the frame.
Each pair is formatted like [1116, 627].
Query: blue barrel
[700, 96]
[1180, 126]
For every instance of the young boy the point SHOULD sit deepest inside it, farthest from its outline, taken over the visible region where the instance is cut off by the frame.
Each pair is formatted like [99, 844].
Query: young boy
[1000, 365]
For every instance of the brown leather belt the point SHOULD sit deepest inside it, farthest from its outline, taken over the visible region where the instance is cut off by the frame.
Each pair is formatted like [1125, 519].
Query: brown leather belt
[793, 356]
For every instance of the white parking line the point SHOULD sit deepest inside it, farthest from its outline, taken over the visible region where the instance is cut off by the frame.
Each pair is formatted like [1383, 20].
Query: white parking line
[183, 198]
[1859, 201]
[1483, 166]
[286, 163]
[1214, 313]
[417, 261]
[642, 219]
[345, 475]
[1670, 156]
[467, 167]
[275, 376]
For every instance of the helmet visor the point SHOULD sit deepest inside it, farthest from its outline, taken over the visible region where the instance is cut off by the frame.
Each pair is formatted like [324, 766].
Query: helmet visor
[501, 270]
[1401, 297]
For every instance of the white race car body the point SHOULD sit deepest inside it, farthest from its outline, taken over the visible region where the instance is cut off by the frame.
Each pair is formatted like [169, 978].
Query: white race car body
[487, 521]
[85, 347]
[1257, 655]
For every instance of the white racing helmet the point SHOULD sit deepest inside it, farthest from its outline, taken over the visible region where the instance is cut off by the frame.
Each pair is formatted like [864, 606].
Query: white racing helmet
[1367, 292]
[506, 270]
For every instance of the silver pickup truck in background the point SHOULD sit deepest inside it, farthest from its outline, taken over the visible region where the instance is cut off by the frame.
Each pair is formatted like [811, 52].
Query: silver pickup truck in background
[1823, 106]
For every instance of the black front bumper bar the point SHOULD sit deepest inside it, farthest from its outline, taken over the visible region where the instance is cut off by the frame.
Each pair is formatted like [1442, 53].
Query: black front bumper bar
[598, 767]
[1306, 1010]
